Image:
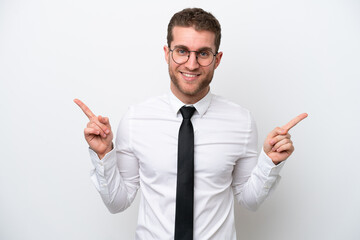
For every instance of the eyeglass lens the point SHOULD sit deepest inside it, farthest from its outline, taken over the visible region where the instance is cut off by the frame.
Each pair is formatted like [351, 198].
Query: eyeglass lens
[181, 56]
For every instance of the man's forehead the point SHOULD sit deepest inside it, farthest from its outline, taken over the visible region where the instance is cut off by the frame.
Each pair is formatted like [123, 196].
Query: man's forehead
[191, 38]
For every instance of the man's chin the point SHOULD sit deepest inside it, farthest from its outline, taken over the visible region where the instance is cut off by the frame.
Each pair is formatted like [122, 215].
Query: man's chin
[190, 92]
[196, 93]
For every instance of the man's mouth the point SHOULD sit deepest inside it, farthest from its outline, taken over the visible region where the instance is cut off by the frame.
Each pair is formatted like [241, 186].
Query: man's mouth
[189, 75]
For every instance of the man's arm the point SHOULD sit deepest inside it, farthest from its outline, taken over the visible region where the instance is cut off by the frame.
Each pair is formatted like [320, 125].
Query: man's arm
[254, 178]
[116, 170]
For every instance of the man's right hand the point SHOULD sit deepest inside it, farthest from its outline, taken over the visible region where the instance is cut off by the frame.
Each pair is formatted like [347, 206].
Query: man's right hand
[98, 132]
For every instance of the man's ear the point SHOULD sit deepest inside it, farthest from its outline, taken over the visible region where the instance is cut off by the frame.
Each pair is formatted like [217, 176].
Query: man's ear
[218, 59]
[166, 51]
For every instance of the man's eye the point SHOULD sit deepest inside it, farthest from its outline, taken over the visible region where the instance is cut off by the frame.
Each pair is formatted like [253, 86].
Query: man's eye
[181, 51]
[204, 54]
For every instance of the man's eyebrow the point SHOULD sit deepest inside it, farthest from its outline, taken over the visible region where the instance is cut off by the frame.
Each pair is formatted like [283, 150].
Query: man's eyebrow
[205, 49]
[181, 46]
[200, 49]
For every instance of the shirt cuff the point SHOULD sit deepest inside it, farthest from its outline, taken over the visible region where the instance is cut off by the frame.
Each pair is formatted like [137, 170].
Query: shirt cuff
[267, 166]
[102, 166]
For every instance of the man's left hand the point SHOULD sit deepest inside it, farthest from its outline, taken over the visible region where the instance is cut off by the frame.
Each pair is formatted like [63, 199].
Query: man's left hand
[278, 145]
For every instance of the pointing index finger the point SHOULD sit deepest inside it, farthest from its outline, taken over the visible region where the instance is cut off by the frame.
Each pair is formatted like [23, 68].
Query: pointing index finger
[84, 108]
[294, 121]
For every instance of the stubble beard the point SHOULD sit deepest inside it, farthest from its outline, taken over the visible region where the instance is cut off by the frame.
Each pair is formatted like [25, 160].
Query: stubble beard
[203, 84]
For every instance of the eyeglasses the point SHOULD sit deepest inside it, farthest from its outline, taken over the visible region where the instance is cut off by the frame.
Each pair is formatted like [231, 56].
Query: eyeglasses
[182, 55]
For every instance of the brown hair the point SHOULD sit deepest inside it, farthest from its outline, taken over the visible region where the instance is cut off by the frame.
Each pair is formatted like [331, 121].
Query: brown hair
[197, 18]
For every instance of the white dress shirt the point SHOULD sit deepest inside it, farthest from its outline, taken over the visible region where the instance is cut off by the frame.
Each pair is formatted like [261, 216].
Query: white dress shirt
[225, 162]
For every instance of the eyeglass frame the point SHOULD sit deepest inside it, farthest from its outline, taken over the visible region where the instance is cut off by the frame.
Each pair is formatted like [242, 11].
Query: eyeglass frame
[196, 55]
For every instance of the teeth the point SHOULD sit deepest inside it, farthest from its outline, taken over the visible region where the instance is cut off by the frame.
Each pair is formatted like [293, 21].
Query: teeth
[189, 75]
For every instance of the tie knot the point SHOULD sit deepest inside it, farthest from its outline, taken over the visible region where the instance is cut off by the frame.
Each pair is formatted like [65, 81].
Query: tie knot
[187, 112]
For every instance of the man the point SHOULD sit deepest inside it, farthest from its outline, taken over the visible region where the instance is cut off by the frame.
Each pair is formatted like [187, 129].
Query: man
[219, 146]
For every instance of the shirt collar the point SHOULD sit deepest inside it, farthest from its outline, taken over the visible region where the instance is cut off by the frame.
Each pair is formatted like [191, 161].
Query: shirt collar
[201, 106]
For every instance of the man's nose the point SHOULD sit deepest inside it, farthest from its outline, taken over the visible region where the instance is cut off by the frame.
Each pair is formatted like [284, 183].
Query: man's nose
[192, 62]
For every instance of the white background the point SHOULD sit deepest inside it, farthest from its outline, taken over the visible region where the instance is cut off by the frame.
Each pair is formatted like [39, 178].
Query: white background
[281, 58]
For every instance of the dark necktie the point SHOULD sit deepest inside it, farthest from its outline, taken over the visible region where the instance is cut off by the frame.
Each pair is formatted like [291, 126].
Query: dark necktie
[184, 218]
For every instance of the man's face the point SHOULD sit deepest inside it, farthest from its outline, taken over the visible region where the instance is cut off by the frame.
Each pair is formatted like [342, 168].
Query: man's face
[190, 81]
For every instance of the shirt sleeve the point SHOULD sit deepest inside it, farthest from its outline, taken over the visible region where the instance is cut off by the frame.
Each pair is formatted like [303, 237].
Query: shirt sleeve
[116, 176]
[254, 177]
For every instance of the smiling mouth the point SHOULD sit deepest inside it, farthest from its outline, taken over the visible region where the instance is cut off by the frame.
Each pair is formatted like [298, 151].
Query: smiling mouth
[189, 75]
